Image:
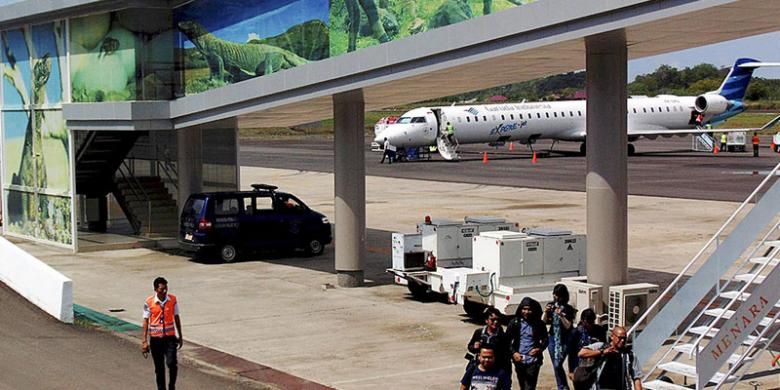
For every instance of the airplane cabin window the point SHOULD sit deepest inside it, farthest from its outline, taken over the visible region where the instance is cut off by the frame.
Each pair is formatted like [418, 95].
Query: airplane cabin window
[635, 110]
[644, 110]
[538, 115]
[512, 116]
[502, 117]
[484, 118]
[579, 113]
[476, 118]
[555, 114]
[660, 110]
[667, 109]
[563, 114]
[652, 109]
[547, 114]
[468, 119]
[571, 113]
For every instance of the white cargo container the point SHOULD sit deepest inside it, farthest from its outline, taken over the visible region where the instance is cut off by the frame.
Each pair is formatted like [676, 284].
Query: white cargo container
[449, 241]
[408, 253]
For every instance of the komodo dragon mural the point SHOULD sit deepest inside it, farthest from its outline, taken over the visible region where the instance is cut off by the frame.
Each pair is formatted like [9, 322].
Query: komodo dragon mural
[231, 61]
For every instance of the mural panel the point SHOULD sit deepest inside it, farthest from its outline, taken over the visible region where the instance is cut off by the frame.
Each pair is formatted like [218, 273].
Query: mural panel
[227, 41]
[16, 70]
[355, 24]
[35, 144]
[102, 62]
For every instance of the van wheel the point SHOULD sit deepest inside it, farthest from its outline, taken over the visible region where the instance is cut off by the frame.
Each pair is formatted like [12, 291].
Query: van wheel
[314, 247]
[228, 253]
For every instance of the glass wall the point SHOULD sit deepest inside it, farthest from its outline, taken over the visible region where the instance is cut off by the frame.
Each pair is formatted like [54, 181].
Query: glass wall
[226, 41]
[36, 161]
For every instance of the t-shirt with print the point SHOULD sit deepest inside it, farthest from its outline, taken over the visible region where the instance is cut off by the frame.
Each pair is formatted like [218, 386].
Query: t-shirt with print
[494, 379]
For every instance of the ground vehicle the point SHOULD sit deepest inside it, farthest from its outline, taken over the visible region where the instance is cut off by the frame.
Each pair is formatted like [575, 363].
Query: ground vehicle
[264, 218]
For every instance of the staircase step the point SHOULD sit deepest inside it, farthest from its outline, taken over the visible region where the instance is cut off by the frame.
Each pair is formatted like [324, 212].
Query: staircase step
[748, 277]
[701, 329]
[772, 243]
[687, 348]
[742, 297]
[729, 313]
[690, 371]
[662, 385]
[763, 260]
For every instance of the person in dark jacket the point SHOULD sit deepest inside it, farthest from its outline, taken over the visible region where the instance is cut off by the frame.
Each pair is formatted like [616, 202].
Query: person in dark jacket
[560, 315]
[527, 340]
[492, 333]
[586, 333]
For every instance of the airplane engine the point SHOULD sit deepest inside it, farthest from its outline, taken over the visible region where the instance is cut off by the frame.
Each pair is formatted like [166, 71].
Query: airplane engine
[711, 103]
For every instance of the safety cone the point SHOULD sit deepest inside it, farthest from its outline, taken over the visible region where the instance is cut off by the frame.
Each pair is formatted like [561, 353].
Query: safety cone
[512, 147]
[484, 158]
[533, 161]
[715, 149]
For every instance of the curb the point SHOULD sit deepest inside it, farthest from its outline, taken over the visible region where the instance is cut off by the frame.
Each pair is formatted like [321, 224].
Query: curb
[207, 359]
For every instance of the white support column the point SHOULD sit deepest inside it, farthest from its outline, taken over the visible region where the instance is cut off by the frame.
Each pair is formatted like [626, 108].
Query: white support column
[607, 141]
[190, 163]
[350, 187]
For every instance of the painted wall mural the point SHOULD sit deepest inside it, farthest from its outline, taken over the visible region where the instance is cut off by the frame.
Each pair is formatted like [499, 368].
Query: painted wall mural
[103, 63]
[35, 142]
[227, 41]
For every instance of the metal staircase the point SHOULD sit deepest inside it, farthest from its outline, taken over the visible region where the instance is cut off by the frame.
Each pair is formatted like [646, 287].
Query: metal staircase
[447, 149]
[146, 202]
[719, 327]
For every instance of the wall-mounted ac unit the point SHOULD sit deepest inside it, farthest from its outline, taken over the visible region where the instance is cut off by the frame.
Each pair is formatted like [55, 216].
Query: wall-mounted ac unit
[583, 295]
[628, 302]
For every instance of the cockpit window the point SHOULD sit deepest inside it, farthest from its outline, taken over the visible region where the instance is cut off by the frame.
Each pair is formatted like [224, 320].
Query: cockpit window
[404, 119]
[418, 119]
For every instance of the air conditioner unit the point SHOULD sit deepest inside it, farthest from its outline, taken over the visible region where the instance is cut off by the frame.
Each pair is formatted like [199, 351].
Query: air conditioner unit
[584, 295]
[628, 302]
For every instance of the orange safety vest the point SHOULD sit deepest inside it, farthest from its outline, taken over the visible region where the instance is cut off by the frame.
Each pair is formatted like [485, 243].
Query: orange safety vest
[755, 140]
[161, 321]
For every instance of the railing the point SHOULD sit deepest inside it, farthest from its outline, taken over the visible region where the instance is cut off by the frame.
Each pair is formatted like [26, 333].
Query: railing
[715, 239]
[84, 145]
[125, 171]
[167, 166]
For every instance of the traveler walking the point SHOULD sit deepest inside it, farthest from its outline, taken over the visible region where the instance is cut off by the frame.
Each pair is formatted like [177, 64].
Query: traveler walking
[527, 339]
[620, 370]
[560, 315]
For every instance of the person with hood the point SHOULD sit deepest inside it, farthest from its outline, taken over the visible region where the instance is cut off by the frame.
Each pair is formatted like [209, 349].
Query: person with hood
[527, 340]
[560, 315]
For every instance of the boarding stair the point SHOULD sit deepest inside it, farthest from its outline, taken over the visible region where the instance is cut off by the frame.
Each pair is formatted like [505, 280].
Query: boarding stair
[99, 154]
[703, 142]
[447, 149]
[719, 326]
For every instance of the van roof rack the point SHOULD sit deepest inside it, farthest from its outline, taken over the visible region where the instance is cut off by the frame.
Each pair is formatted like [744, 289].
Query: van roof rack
[264, 187]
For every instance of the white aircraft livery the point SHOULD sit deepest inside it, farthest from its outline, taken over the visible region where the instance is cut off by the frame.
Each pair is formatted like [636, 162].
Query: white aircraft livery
[663, 115]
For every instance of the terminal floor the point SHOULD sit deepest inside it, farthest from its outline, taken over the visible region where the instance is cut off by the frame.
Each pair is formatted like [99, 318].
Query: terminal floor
[286, 314]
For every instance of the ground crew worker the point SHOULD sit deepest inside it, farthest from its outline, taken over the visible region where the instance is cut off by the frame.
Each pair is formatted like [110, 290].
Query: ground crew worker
[161, 313]
[723, 141]
[755, 144]
[450, 132]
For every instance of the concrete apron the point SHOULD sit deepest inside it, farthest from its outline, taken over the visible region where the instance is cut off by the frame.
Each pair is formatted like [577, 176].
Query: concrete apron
[284, 312]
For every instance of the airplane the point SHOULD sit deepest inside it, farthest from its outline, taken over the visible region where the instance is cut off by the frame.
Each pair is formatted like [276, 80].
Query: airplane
[528, 122]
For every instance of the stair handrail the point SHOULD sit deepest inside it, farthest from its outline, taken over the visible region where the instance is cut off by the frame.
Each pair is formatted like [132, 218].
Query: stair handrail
[695, 258]
[136, 187]
[84, 146]
[742, 290]
[167, 166]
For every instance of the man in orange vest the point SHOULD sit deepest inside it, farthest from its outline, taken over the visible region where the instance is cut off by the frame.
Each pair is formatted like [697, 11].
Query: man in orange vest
[161, 314]
[755, 144]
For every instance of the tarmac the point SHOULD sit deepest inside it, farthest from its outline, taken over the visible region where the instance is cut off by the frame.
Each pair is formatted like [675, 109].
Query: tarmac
[285, 315]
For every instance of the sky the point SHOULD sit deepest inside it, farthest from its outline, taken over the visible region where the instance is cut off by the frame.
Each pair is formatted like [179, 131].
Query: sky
[765, 48]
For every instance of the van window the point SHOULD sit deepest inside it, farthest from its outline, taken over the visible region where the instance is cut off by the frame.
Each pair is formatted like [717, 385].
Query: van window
[249, 208]
[286, 203]
[264, 203]
[226, 206]
[194, 206]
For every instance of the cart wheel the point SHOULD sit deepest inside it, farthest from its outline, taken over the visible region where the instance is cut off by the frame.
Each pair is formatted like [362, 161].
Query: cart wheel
[419, 291]
[473, 309]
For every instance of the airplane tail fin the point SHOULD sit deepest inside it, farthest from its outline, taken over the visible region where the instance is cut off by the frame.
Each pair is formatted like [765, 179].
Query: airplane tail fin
[736, 82]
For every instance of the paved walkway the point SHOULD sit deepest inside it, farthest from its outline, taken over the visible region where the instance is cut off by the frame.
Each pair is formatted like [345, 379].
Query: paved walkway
[283, 313]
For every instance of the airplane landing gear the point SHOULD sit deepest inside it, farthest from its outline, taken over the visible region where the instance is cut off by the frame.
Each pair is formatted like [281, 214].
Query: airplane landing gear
[631, 150]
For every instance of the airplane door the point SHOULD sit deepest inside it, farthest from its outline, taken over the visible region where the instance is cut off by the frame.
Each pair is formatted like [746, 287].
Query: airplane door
[439, 116]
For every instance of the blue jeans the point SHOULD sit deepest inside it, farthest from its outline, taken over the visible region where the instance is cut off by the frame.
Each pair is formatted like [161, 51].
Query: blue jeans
[558, 366]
